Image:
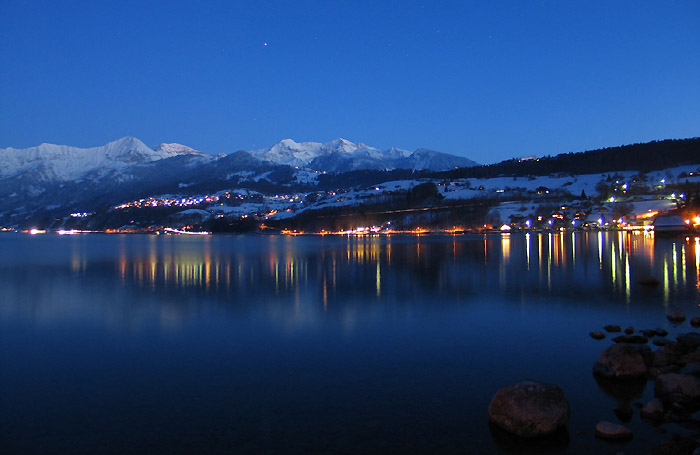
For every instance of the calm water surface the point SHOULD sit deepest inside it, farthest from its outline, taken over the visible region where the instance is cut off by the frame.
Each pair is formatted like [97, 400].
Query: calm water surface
[251, 344]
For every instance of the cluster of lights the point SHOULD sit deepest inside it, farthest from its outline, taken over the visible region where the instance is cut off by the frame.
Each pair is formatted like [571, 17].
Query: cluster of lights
[364, 230]
[166, 202]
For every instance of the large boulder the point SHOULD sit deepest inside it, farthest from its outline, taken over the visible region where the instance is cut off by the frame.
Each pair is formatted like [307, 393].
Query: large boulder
[622, 361]
[529, 409]
[682, 391]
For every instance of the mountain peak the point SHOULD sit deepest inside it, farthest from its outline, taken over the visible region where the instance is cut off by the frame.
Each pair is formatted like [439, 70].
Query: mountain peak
[290, 143]
[175, 149]
[340, 141]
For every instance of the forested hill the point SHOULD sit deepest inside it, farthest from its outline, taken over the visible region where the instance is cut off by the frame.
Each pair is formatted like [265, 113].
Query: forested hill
[636, 157]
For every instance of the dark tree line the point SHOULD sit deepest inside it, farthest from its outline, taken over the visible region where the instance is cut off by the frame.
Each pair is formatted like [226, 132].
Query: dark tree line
[640, 157]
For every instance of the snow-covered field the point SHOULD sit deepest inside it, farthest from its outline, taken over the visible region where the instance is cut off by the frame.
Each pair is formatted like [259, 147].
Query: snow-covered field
[555, 192]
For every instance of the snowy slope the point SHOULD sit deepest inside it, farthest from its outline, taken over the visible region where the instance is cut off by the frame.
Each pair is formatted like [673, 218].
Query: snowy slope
[50, 162]
[343, 155]
[174, 149]
[301, 154]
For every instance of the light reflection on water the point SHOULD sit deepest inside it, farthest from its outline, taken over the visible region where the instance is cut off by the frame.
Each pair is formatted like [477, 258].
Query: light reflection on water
[394, 342]
[288, 263]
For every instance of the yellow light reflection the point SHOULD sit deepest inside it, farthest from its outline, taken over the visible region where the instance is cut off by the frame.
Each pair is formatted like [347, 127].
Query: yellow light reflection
[613, 260]
[527, 249]
[666, 283]
[628, 280]
[697, 263]
[379, 280]
[505, 246]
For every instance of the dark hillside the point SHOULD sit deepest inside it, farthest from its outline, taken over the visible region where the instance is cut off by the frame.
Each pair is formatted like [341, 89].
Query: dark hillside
[640, 157]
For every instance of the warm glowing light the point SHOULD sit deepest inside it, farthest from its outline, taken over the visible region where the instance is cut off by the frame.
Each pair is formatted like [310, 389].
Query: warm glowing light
[178, 231]
[505, 227]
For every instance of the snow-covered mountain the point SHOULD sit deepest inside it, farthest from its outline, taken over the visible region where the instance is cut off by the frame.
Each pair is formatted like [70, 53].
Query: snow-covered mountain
[343, 155]
[60, 163]
[174, 149]
[54, 180]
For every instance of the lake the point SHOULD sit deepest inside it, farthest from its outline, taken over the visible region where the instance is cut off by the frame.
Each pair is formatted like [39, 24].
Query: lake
[308, 344]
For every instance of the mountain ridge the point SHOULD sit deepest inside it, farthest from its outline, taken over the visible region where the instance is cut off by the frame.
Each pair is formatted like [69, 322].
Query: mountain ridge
[63, 162]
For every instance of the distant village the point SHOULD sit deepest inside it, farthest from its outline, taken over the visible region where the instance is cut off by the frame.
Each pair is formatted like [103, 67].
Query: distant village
[608, 201]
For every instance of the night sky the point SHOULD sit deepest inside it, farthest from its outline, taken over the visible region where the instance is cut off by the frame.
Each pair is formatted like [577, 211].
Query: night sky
[486, 80]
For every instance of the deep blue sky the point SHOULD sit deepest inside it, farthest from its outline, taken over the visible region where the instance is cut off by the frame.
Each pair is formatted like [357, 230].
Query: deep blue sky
[487, 80]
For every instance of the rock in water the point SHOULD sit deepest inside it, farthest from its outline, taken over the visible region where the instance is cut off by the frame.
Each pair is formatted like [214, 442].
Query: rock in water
[695, 322]
[597, 335]
[682, 391]
[676, 316]
[649, 281]
[624, 411]
[691, 339]
[621, 361]
[661, 332]
[612, 431]
[661, 341]
[612, 328]
[529, 409]
[634, 339]
[653, 410]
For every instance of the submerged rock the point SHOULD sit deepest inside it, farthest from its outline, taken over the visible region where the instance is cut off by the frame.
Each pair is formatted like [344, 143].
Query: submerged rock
[661, 341]
[622, 361]
[676, 316]
[612, 431]
[695, 322]
[661, 332]
[653, 410]
[648, 332]
[624, 411]
[634, 339]
[627, 390]
[649, 281]
[529, 409]
[597, 335]
[629, 330]
[612, 328]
